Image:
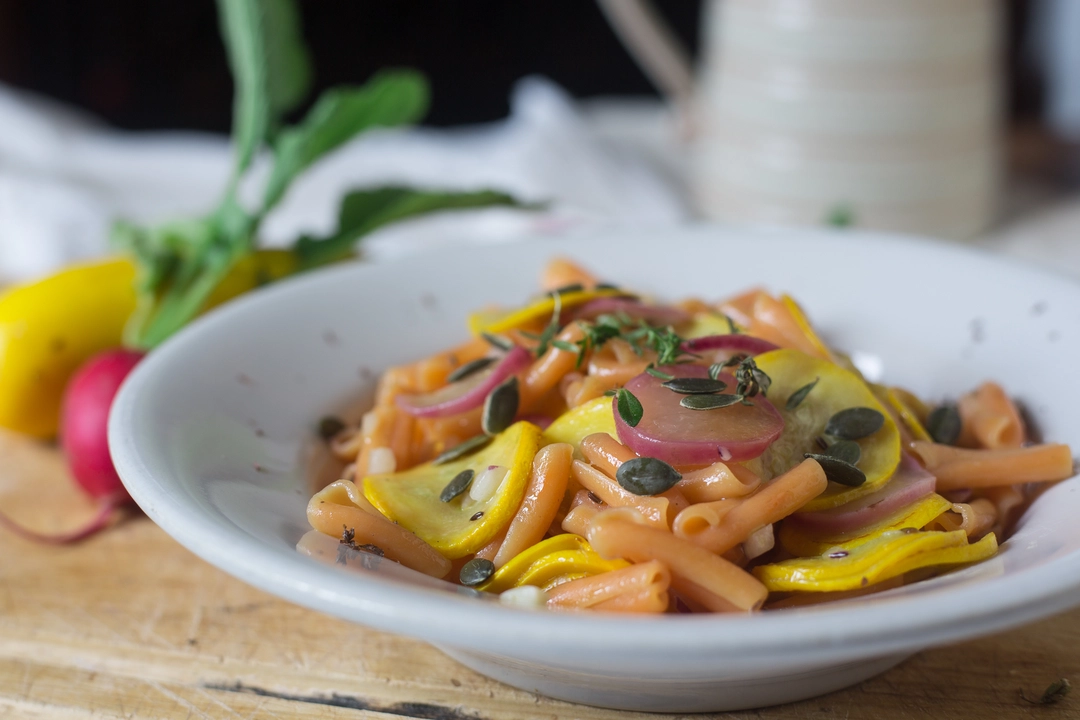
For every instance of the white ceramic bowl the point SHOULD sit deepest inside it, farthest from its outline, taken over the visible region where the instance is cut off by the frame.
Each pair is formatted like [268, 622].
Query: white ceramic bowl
[213, 433]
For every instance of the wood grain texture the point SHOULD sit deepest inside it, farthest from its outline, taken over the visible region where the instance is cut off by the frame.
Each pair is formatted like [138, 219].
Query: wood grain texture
[131, 625]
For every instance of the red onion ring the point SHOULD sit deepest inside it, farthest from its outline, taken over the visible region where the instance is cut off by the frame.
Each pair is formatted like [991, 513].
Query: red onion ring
[466, 394]
[736, 342]
[909, 483]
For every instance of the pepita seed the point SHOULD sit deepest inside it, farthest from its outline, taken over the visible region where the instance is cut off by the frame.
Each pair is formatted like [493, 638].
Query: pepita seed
[469, 368]
[944, 424]
[461, 450]
[846, 450]
[709, 402]
[838, 471]
[647, 476]
[572, 287]
[458, 485]
[476, 572]
[500, 407]
[695, 386]
[855, 423]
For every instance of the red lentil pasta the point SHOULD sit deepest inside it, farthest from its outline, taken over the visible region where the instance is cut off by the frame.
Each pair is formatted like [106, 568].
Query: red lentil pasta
[583, 450]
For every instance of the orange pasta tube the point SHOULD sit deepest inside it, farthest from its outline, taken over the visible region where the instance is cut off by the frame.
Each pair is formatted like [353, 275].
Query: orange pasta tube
[957, 468]
[489, 551]
[653, 599]
[989, 419]
[547, 370]
[588, 388]
[589, 591]
[578, 519]
[561, 272]
[705, 578]
[376, 431]
[342, 506]
[547, 484]
[655, 509]
[718, 481]
[773, 502]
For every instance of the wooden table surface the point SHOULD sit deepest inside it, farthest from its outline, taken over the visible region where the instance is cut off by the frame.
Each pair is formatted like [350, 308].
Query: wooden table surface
[131, 625]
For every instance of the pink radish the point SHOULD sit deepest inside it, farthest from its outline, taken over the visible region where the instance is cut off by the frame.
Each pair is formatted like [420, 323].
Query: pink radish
[84, 429]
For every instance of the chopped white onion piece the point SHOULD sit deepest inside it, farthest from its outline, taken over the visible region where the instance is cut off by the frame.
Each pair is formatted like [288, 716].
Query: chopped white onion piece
[487, 482]
[528, 597]
[760, 542]
[381, 461]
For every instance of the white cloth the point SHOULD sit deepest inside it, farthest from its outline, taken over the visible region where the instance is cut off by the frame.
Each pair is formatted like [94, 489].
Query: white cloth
[64, 178]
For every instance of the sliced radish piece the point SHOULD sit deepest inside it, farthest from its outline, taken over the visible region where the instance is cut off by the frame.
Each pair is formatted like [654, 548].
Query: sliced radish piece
[680, 436]
[467, 394]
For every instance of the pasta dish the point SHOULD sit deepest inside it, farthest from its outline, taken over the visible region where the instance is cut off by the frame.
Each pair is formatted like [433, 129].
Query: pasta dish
[596, 450]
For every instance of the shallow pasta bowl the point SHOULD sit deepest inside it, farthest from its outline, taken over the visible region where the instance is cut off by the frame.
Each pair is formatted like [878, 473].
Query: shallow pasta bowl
[213, 436]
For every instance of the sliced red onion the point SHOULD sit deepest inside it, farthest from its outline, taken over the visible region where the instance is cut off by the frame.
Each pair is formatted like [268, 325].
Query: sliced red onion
[466, 394]
[909, 483]
[735, 342]
[653, 314]
[680, 436]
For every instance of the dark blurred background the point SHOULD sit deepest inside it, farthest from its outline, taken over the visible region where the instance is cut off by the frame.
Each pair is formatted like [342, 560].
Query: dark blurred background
[161, 64]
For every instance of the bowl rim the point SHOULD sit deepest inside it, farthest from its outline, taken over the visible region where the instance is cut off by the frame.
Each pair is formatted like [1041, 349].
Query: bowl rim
[842, 630]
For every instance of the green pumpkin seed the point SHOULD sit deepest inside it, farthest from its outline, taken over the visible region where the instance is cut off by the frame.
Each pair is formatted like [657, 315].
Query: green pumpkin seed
[647, 476]
[469, 368]
[330, 426]
[799, 395]
[944, 424]
[458, 485]
[500, 407]
[573, 287]
[469, 446]
[710, 402]
[838, 471]
[630, 409]
[476, 572]
[695, 386]
[855, 423]
[846, 450]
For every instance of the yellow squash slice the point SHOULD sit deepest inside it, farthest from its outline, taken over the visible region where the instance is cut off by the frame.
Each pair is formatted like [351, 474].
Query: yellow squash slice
[915, 516]
[411, 497]
[595, 416]
[499, 320]
[551, 562]
[888, 556]
[837, 389]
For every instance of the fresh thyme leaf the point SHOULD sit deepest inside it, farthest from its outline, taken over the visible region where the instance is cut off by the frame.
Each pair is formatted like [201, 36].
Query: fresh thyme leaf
[1052, 694]
[652, 370]
[715, 369]
[552, 327]
[732, 327]
[799, 395]
[610, 393]
[565, 346]
[497, 341]
[751, 379]
[630, 409]
[734, 360]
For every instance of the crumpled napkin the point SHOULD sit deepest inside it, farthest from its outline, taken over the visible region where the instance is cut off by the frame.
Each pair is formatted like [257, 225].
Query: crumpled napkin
[64, 178]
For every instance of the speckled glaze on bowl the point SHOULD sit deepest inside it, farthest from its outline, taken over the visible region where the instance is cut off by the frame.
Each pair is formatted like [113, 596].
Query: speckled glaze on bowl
[212, 435]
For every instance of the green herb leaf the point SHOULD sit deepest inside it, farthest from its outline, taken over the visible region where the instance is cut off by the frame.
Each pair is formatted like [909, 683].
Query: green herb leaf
[497, 341]
[364, 211]
[564, 345]
[270, 65]
[799, 395]
[715, 369]
[389, 98]
[733, 329]
[660, 374]
[552, 328]
[469, 368]
[630, 409]
[751, 379]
